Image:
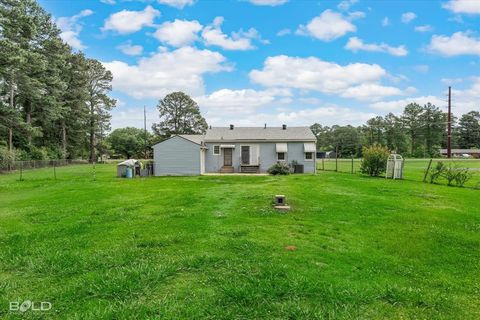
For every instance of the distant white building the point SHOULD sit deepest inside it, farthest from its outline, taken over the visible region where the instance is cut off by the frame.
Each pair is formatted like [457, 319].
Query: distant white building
[474, 153]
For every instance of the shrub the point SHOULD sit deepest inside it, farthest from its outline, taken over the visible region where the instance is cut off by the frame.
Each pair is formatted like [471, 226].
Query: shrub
[463, 175]
[6, 157]
[451, 173]
[374, 161]
[279, 168]
[54, 153]
[437, 172]
[36, 153]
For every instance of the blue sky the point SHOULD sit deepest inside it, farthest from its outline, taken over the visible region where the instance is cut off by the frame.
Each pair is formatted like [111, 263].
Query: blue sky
[250, 62]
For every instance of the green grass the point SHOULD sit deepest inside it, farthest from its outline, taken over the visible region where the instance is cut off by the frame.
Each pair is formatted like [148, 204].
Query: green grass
[212, 247]
[414, 168]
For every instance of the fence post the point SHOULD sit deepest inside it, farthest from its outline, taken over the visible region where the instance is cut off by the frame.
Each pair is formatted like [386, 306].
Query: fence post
[21, 170]
[323, 164]
[426, 172]
[336, 161]
[94, 172]
[352, 163]
[54, 170]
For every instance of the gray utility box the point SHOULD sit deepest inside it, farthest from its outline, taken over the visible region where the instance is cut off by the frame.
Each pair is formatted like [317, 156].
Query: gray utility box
[298, 168]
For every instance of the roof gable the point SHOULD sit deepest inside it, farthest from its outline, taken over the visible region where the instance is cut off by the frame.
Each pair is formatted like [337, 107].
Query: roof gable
[195, 138]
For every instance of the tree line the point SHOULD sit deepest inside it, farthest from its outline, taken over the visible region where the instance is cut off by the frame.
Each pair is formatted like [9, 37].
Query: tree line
[54, 102]
[420, 131]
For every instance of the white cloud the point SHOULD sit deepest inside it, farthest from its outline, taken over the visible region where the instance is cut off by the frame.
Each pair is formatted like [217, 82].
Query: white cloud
[468, 97]
[244, 100]
[356, 80]
[460, 43]
[385, 22]
[462, 100]
[327, 115]
[463, 6]
[424, 28]
[399, 105]
[71, 28]
[356, 15]
[450, 81]
[179, 4]
[125, 21]
[242, 107]
[241, 40]
[310, 100]
[327, 26]
[271, 3]
[123, 116]
[407, 17]
[356, 44]
[422, 68]
[178, 33]
[131, 50]
[346, 4]
[371, 92]
[167, 71]
[108, 1]
[284, 32]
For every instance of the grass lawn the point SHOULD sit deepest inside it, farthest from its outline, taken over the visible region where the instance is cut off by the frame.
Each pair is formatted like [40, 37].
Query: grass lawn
[414, 168]
[212, 247]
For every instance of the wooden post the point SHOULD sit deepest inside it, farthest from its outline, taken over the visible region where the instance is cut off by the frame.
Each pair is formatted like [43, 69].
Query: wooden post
[21, 170]
[426, 172]
[352, 163]
[336, 159]
[94, 172]
[449, 128]
[54, 171]
[323, 164]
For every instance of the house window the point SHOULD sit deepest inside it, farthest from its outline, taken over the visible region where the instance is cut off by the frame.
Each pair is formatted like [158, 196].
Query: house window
[216, 150]
[308, 155]
[281, 156]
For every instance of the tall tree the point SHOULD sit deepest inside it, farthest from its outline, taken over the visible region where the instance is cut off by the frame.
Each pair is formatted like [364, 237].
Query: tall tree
[99, 85]
[395, 137]
[74, 120]
[413, 124]
[346, 139]
[433, 126]
[469, 130]
[323, 135]
[128, 141]
[374, 131]
[179, 114]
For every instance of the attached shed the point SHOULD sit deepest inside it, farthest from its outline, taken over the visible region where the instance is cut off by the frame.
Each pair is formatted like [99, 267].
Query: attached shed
[181, 155]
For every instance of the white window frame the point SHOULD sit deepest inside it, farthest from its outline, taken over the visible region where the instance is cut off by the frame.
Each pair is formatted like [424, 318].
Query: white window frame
[284, 156]
[305, 156]
[219, 150]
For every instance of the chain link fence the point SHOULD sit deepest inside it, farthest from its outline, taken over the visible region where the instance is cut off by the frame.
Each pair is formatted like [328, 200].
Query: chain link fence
[22, 168]
[414, 169]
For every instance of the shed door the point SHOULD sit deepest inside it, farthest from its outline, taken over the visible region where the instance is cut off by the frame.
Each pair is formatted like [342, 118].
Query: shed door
[227, 157]
[245, 154]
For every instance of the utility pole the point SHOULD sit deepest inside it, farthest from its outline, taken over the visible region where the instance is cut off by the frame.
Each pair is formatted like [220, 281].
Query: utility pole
[145, 131]
[449, 130]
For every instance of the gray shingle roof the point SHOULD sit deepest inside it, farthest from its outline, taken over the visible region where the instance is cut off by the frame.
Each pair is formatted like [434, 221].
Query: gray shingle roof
[260, 133]
[195, 138]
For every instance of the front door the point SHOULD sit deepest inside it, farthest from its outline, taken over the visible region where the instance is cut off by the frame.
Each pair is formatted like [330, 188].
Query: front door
[245, 154]
[227, 157]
